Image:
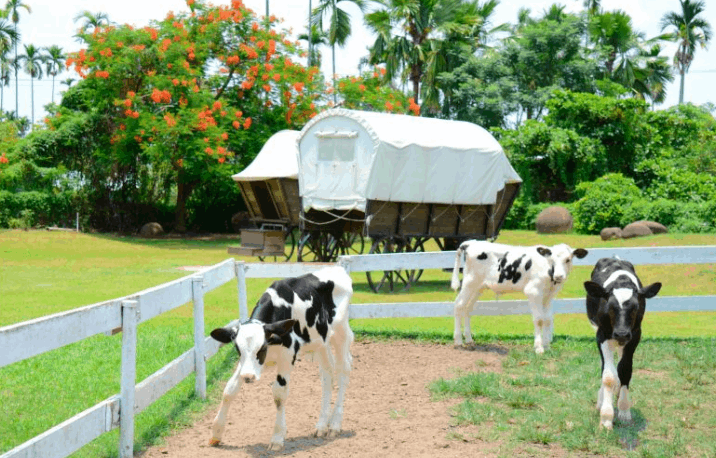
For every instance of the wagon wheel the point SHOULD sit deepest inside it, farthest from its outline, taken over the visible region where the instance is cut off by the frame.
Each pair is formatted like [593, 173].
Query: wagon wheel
[352, 243]
[288, 249]
[318, 246]
[394, 280]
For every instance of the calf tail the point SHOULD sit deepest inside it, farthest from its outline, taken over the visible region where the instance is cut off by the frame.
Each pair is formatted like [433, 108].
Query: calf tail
[455, 281]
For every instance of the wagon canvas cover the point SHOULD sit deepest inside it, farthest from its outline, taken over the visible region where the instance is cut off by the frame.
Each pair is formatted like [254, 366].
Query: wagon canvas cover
[347, 157]
[277, 159]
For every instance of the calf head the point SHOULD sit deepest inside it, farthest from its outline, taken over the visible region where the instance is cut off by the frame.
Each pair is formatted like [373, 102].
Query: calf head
[560, 259]
[622, 307]
[251, 340]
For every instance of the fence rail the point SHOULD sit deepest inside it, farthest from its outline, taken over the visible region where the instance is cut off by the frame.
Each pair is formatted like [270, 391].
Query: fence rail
[25, 340]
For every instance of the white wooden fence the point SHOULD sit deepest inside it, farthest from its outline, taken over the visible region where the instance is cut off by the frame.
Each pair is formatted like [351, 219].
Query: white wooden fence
[25, 340]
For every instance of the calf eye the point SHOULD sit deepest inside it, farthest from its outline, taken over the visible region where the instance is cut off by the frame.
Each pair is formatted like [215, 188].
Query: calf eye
[261, 355]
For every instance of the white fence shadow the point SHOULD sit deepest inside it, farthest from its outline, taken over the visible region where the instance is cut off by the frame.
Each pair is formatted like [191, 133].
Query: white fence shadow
[25, 340]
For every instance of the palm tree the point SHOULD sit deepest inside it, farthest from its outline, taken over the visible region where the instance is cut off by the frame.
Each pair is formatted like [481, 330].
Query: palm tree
[689, 30]
[318, 37]
[5, 70]
[13, 7]
[417, 39]
[54, 61]
[613, 30]
[89, 19]
[31, 63]
[339, 25]
[8, 37]
[68, 82]
[651, 77]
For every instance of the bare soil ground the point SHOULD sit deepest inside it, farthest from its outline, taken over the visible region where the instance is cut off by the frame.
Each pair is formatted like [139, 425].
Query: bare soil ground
[388, 409]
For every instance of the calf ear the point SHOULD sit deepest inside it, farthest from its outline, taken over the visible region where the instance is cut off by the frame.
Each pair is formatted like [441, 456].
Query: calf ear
[651, 290]
[595, 289]
[224, 335]
[279, 328]
[580, 253]
[544, 251]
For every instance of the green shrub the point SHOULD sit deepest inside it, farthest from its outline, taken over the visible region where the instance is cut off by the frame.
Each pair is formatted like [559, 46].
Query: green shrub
[603, 203]
[36, 208]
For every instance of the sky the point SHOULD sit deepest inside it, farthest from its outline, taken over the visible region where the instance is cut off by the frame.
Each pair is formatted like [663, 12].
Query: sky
[52, 23]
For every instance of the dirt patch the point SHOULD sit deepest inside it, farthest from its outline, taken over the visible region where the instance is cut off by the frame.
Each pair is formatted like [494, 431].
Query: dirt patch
[388, 409]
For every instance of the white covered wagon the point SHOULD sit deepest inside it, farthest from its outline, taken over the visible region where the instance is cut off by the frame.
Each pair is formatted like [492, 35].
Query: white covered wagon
[400, 180]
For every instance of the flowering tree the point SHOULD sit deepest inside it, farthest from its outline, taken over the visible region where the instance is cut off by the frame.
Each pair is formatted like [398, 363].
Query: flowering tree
[182, 95]
[371, 93]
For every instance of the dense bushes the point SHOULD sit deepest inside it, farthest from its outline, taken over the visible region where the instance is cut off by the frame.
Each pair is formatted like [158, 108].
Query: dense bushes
[33, 208]
[612, 162]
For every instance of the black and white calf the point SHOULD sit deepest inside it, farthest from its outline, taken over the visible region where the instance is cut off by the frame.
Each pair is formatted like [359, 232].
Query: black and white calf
[303, 313]
[616, 302]
[539, 272]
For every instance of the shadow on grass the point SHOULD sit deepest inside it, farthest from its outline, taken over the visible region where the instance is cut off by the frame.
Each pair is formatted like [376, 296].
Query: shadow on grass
[628, 432]
[174, 241]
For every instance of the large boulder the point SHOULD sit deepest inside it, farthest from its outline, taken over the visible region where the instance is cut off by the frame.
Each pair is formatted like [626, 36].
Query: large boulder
[656, 228]
[609, 233]
[151, 230]
[636, 230]
[554, 220]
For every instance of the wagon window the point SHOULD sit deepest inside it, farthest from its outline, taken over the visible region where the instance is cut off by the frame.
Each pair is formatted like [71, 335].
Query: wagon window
[336, 146]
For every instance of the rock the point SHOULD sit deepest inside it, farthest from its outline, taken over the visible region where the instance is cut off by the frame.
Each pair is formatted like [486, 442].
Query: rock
[553, 220]
[656, 228]
[636, 230]
[151, 230]
[609, 233]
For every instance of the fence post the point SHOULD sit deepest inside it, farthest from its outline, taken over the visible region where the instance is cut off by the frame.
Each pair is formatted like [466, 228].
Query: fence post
[197, 294]
[130, 311]
[240, 267]
[345, 262]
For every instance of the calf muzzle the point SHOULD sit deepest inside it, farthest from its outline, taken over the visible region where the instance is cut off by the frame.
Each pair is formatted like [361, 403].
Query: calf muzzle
[621, 336]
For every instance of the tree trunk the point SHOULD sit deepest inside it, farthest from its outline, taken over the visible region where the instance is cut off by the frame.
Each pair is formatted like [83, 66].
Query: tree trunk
[333, 75]
[681, 87]
[17, 103]
[32, 101]
[183, 192]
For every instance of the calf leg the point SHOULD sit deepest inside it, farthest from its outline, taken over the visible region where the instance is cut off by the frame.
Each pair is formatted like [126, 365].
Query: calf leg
[624, 370]
[342, 346]
[326, 365]
[217, 428]
[280, 395]
[463, 305]
[548, 320]
[610, 384]
[539, 320]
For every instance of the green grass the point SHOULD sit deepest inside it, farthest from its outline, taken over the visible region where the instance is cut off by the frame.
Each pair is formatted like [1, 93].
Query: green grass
[48, 272]
[550, 399]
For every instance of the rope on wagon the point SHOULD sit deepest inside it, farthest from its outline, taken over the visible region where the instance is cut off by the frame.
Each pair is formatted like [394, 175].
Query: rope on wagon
[451, 206]
[336, 218]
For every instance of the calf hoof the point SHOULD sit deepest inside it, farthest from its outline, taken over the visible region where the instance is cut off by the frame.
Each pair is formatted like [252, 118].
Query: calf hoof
[539, 350]
[333, 433]
[214, 442]
[606, 424]
[320, 432]
[624, 416]
[275, 446]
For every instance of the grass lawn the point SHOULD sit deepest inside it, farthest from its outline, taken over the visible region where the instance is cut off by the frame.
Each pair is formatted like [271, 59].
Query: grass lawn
[47, 272]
